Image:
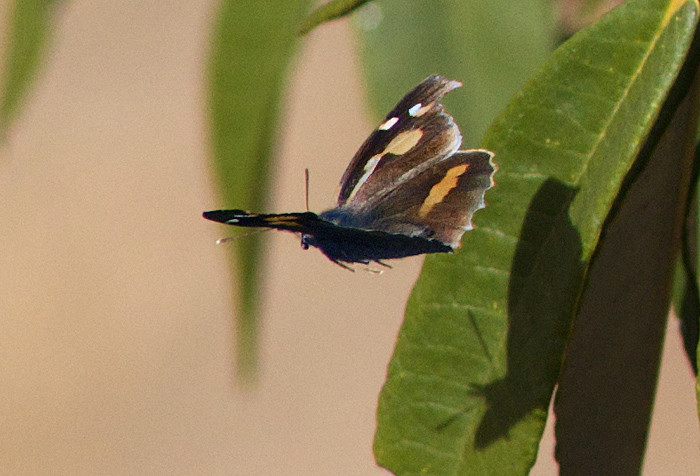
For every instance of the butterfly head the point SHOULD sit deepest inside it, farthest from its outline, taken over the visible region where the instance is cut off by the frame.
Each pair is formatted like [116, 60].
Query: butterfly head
[307, 241]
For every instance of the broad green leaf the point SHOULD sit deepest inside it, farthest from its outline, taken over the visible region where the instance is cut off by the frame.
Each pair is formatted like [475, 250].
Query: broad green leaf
[330, 11]
[482, 343]
[606, 390]
[492, 46]
[253, 44]
[28, 29]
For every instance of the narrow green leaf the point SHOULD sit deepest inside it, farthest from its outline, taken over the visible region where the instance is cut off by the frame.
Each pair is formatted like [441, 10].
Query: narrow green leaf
[330, 11]
[492, 46]
[30, 25]
[252, 47]
[481, 347]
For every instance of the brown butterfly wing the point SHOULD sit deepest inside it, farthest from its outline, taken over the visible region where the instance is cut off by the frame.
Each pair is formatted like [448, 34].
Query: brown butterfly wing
[439, 202]
[416, 134]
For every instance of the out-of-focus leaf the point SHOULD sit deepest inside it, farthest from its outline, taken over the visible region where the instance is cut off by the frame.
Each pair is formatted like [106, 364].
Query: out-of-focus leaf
[28, 29]
[482, 343]
[491, 46]
[577, 14]
[330, 11]
[253, 44]
[686, 289]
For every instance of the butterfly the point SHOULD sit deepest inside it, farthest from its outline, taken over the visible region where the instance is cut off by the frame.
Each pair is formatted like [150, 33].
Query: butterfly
[407, 191]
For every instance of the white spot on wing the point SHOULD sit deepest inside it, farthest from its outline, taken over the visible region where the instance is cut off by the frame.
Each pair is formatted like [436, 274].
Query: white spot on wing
[419, 109]
[415, 109]
[385, 126]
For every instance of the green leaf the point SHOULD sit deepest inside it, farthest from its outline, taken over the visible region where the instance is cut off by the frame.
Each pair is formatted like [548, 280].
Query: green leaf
[606, 390]
[492, 46]
[252, 47]
[330, 11]
[482, 343]
[30, 25]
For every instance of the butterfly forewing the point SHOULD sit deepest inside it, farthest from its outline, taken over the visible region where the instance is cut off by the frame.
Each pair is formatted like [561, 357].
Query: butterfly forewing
[415, 134]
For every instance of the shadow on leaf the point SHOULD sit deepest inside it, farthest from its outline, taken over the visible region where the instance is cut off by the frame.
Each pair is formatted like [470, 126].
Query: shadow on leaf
[546, 275]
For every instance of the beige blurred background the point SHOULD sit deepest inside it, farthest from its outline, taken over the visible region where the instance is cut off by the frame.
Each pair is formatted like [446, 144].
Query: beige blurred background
[115, 326]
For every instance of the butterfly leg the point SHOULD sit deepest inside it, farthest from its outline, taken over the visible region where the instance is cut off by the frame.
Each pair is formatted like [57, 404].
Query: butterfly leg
[343, 265]
[383, 263]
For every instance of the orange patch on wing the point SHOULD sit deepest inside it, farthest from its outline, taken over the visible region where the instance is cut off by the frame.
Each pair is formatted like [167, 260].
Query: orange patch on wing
[403, 142]
[442, 188]
[399, 145]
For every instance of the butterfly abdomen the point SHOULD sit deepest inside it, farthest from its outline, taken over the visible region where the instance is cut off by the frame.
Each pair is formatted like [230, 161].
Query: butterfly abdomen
[351, 245]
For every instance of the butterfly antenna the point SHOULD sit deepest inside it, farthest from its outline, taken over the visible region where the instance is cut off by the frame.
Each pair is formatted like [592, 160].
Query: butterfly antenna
[234, 238]
[306, 193]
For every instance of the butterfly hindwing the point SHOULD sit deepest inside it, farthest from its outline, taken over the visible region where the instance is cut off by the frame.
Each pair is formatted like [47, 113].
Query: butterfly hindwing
[414, 135]
[439, 203]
